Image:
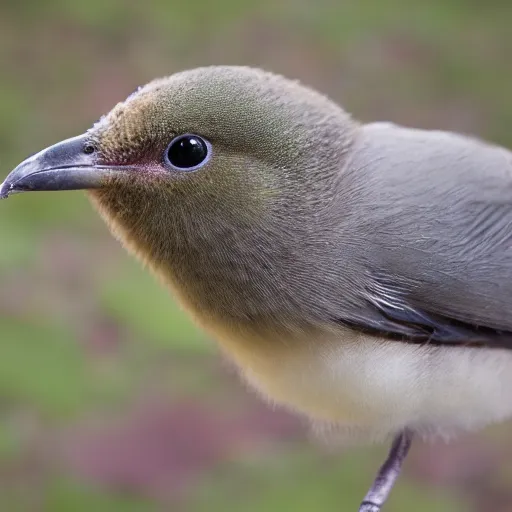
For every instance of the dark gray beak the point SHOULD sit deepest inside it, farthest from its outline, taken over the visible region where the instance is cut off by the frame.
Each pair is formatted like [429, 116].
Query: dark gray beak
[68, 165]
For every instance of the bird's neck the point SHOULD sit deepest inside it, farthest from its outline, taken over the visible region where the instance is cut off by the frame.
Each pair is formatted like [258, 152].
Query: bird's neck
[219, 263]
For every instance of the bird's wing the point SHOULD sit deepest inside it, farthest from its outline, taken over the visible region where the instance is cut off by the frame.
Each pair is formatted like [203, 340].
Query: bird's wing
[440, 265]
[401, 316]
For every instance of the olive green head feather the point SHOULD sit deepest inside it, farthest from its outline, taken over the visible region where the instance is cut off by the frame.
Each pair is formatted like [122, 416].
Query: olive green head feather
[262, 132]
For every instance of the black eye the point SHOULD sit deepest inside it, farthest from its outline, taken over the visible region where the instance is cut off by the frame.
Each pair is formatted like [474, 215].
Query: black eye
[187, 152]
[89, 149]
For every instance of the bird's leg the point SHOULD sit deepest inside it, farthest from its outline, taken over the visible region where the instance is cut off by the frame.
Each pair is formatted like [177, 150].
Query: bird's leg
[388, 473]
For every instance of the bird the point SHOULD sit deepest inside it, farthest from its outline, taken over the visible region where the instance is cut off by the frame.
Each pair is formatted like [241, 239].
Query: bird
[358, 274]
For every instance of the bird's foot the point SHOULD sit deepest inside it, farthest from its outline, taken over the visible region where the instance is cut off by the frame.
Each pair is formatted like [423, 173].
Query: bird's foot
[366, 506]
[388, 473]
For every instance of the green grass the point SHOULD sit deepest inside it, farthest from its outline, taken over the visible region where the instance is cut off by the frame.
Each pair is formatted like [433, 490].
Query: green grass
[303, 482]
[44, 368]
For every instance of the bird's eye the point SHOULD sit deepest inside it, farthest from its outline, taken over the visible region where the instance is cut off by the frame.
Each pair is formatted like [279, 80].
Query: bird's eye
[89, 149]
[187, 152]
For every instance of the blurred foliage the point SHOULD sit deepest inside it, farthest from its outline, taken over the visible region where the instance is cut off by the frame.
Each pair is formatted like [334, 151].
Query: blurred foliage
[109, 398]
[150, 319]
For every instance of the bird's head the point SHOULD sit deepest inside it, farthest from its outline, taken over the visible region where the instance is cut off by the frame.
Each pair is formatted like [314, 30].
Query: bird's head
[215, 131]
[206, 154]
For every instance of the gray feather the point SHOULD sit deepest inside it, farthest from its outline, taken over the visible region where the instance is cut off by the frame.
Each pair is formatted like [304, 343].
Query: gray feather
[438, 228]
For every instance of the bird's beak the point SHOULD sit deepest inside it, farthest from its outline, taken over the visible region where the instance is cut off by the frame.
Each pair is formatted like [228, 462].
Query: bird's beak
[64, 166]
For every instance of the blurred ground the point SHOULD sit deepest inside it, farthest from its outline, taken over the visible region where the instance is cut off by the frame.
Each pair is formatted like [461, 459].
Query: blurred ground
[109, 399]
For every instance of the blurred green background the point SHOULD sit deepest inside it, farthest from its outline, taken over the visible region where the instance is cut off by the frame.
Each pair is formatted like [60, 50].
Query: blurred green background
[109, 399]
